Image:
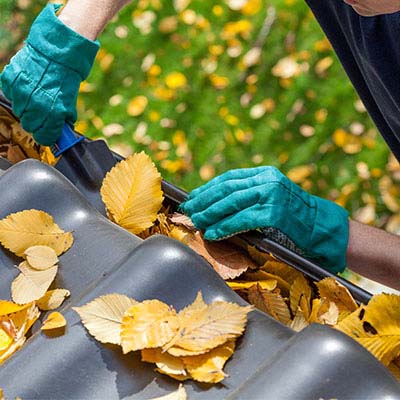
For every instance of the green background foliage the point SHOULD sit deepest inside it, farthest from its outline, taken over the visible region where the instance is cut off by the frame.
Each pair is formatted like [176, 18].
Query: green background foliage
[205, 124]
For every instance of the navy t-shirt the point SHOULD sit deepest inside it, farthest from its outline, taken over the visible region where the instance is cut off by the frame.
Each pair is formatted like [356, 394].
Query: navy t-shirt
[369, 49]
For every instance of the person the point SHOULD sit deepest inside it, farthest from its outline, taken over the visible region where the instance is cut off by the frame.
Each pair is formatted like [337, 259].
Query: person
[43, 78]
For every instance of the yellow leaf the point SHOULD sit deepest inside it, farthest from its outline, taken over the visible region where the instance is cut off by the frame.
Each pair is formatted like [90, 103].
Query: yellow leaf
[300, 294]
[208, 367]
[132, 193]
[5, 340]
[269, 284]
[52, 299]
[41, 257]
[203, 329]
[149, 324]
[28, 228]
[261, 275]
[55, 320]
[102, 317]
[31, 284]
[8, 307]
[271, 303]
[16, 325]
[170, 365]
[324, 311]
[288, 274]
[332, 290]
[180, 394]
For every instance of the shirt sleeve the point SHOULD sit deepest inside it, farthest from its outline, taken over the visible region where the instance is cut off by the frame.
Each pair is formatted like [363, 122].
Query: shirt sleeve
[369, 50]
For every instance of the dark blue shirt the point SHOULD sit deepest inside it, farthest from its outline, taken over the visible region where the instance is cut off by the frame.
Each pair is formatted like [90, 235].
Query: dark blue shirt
[369, 49]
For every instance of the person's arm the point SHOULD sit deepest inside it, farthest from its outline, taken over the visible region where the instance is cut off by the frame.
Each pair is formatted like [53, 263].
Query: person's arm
[374, 253]
[89, 17]
[42, 80]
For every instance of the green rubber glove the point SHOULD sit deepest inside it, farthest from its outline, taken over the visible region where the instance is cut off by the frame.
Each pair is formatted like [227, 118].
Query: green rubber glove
[42, 80]
[245, 199]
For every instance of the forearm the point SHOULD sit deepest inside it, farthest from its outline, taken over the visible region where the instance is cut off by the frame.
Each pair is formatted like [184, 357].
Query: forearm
[374, 254]
[89, 17]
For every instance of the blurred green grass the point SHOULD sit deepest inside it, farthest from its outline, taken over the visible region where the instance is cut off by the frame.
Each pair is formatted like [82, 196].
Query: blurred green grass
[294, 108]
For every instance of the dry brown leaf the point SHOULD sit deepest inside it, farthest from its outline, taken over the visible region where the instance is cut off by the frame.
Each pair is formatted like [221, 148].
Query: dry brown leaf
[202, 329]
[41, 257]
[300, 295]
[180, 394]
[228, 260]
[102, 317]
[334, 291]
[299, 322]
[148, 324]
[55, 320]
[132, 193]
[208, 367]
[52, 299]
[182, 220]
[258, 256]
[29, 228]
[31, 284]
[270, 303]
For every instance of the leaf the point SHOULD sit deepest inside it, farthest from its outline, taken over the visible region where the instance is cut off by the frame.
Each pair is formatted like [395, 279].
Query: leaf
[170, 365]
[182, 220]
[55, 320]
[261, 275]
[208, 367]
[324, 311]
[8, 307]
[282, 270]
[299, 322]
[41, 257]
[52, 299]
[228, 260]
[132, 193]
[269, 284]
[332, 290]
[203, 329]
[31, 284]
[300, 294]
[102, 317]
[29, 228]
[271, 303]
[148, 324]
[180, 394]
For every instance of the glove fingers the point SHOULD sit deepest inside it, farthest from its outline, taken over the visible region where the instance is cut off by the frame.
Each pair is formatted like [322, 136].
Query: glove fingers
[221, 190]
[235, 202]
[251, 218]
[233, 174]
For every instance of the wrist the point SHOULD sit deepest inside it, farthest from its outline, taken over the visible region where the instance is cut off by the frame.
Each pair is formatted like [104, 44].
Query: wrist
[88, 18]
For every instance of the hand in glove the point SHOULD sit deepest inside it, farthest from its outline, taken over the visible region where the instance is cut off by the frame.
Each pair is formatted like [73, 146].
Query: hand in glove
[42, 80]
[245, 199]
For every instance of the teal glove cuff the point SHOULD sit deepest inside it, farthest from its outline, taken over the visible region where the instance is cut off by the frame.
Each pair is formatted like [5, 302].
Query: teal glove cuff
[42, 80]
[51, 37]
[330, 236]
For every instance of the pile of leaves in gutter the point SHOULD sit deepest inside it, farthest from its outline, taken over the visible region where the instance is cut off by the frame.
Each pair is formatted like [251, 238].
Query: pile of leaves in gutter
[134, 199]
